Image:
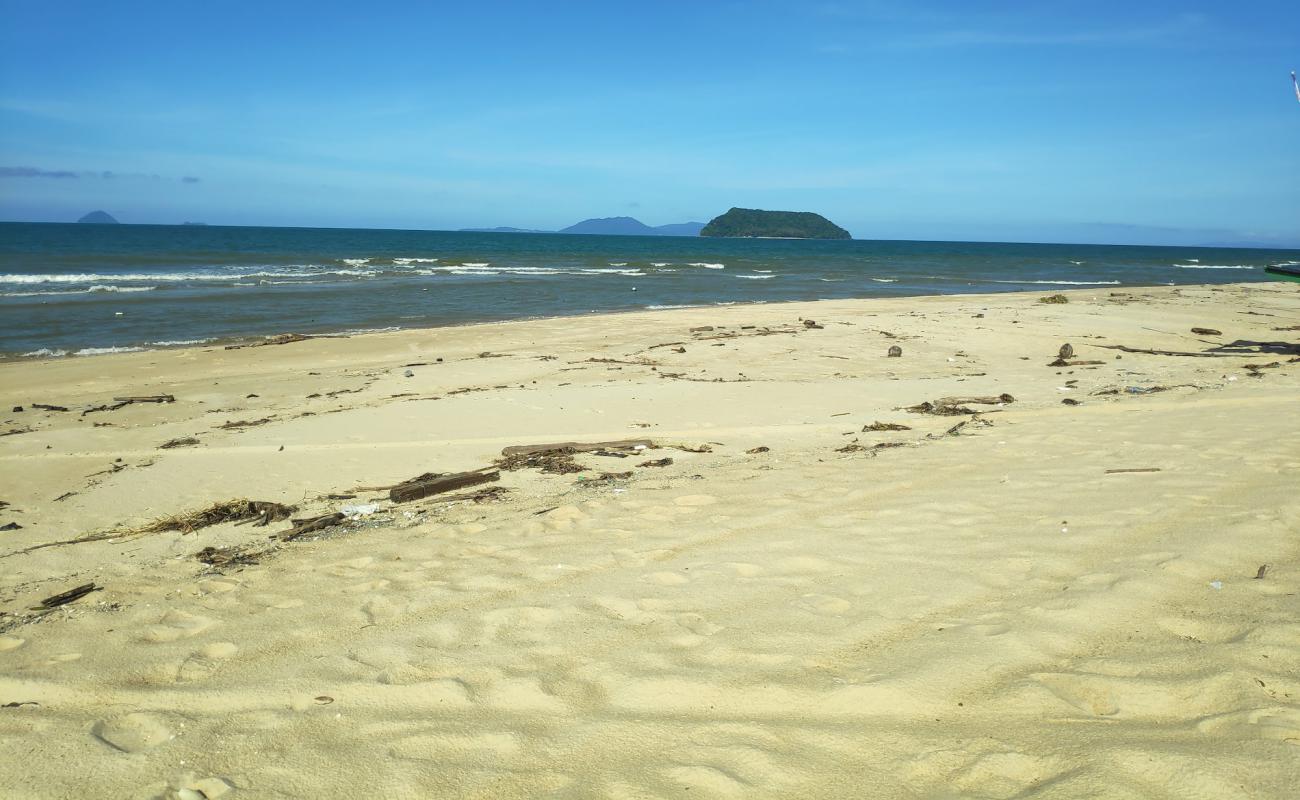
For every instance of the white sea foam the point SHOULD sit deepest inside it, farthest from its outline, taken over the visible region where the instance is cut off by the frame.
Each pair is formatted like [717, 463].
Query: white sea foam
[661, 263]
[1060, 283]
[1287, 264]
[179, 342]
[406, 260]
[831, 280]
[664, 308]
[885, 280]
[111, 288]
[1214, 266]
[45, 352]
[470, 264]
[170, 277]
[100, 351]
[618, 263]
[1076, 263]
[707, 265]
[756, 277]
[355, 262]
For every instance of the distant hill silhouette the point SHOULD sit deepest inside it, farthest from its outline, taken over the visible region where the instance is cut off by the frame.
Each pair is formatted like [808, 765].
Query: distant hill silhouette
[609, 226]
[628, 226]
[680, 229]
[99, 218]
[752, 222]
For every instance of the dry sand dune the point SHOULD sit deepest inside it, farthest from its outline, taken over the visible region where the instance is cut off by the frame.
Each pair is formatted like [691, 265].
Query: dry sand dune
[1048, 601]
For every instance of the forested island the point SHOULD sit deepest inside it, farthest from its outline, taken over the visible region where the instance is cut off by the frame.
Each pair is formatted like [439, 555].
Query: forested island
[753, 222]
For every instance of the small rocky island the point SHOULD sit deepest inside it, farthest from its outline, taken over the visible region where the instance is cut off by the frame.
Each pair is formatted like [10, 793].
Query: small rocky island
[99, 218]
[752, 222]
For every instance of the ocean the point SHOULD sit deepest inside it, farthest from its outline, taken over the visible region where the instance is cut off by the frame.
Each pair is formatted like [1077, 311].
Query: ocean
[79, 290]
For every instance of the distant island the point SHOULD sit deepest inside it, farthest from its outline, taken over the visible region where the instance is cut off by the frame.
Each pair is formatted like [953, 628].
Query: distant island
[610, 226]
[627, 226]
[99, 218]
[752, 222]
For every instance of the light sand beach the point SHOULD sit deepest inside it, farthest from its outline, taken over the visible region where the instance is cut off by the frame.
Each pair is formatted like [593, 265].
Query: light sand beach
[1046, 599]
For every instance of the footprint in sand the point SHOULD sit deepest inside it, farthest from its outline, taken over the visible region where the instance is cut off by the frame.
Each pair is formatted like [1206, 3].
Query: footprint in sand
[1084, 693]
[1005, 775]
[203, 662]
[698, 625]
[824, 604]
[176, 624]
[133, 733]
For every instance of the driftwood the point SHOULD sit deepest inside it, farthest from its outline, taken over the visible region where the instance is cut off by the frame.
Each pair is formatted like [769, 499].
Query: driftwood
[68, 596]
[1132, 469]
[884, 426]
[487, 494]
[432, 483]
[939, 410]
[577, 447]
[185, 441]
[219, 557]
[311, 525]
[122, 402]
[984, 400]
[284, 338]
[1206, 332]
[47, 407]
[1146, 351]
[660, 462]
[245, 423]
[686, 448]
[1060, 362]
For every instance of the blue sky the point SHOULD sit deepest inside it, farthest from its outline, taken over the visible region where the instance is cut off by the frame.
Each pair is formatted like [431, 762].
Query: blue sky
[1144, 122]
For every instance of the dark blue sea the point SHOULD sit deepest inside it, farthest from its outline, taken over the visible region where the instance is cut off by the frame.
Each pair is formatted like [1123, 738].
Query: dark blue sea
[87, 289]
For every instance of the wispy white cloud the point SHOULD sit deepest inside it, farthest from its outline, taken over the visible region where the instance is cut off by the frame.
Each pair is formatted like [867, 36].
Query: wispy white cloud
[1172, 31]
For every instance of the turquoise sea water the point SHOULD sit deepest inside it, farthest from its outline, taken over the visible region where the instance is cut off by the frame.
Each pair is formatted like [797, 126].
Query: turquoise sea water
[86, 289]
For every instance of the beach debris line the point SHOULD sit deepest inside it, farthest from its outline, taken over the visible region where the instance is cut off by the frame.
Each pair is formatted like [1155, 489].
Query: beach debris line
[184, 441]
[69, 596]
[283, 338]
[431, 483]
[219, 557]
[956, 406]
[885, 426]
[556, 458]
[240, 511]
[1054, 299]
[123, 402]
[311, 525]
[244, 423]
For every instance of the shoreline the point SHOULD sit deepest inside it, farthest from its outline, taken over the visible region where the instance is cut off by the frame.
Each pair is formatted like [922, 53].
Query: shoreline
[247, 340]
[988, 565]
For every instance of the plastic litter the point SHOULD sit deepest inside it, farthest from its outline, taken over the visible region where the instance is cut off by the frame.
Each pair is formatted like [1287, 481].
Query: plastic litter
[363, 510]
